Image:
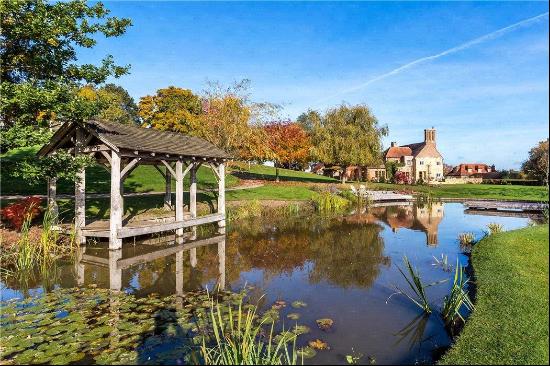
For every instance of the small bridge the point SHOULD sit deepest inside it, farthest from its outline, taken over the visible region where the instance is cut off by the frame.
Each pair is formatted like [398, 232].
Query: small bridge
[522, 206]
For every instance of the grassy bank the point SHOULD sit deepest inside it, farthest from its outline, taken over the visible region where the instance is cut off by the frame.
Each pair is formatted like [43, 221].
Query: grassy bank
[510, 323]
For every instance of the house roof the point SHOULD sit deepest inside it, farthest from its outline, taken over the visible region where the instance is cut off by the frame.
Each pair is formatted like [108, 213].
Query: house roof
[398, 152]
[462, 169]
[127, 137]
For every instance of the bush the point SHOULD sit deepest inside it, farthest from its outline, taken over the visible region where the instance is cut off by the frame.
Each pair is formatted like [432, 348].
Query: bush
[18, 212]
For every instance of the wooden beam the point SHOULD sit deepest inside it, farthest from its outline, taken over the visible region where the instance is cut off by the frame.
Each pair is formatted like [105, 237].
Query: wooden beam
[215, 170]
[193, 192]
[96, 148]
[129, 168]
[106, 155]
[80, 191]
[168, 190]
[179, 195]
[160, 171]
[126, 232]
[221, 194]
[115, 221]
[168, 167]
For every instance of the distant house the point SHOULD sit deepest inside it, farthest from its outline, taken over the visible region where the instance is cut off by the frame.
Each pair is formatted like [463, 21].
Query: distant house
[474, 170]
[422, 162]
[352, 172]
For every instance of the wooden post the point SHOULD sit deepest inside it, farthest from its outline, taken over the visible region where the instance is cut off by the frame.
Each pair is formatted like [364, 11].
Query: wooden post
[115, 223]
[221, 193]
[168, 190]
[179, 279]
[179, 194]
[193, 191]
[221, 265]
[193, 257]
[115, 273]
[80, 266]
[52, 194]
[80, 192]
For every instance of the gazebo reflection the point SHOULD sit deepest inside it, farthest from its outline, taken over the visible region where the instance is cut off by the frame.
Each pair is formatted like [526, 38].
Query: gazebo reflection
[115, 269]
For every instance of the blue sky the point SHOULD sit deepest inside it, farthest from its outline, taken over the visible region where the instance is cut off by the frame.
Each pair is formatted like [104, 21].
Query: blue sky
[488, 100]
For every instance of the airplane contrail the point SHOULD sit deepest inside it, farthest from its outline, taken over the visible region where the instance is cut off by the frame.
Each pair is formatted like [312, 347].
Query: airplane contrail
[487, 37]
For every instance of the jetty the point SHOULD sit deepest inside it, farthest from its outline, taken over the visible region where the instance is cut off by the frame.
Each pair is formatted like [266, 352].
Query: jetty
[509, 206]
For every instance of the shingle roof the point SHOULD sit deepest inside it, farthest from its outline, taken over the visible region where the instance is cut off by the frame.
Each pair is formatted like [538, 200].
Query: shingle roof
[398, 152]
[151, 140]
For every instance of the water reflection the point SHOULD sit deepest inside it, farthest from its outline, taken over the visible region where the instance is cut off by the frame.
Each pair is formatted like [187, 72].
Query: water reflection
[420, 217]
[149, 266]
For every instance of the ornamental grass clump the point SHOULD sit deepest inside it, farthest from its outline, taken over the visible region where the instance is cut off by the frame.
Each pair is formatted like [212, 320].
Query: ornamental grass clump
[494, 228]
[240, 339]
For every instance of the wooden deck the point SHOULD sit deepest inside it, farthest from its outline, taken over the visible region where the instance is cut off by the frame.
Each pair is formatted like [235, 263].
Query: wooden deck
[388, 196]
[505, 205]
[100, 228]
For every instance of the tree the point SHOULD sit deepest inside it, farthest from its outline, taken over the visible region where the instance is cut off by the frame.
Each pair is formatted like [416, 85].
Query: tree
[173, 109]
[309, 120]
[289, 142]
[117, 105]
[347, 135]
[233, 123]
[536, 166]
[41, 77]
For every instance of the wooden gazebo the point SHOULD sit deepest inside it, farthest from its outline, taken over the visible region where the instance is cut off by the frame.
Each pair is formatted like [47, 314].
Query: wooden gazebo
[121, 148]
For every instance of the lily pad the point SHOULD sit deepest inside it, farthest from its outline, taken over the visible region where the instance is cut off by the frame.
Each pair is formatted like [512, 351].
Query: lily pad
[301, 329]
[325, 323]
[298, 304]
[293, 316]
[318, 345]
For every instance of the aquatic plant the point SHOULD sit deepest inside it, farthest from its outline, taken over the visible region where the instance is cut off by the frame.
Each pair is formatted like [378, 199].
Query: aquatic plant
[328, 202]
[494, 228]
[238, 340]
[354, 357]
[298, 304]
[414, 281]
[466, 240]
[443, 263]
[324, 324]
[458, 297]
[245, 210]
[318, 344]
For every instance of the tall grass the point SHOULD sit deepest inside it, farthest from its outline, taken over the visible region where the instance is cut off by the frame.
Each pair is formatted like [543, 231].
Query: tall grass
[414, 281]
[458, 297]
[246, 210]
[240, 340]
[466, 241]
[328, 202]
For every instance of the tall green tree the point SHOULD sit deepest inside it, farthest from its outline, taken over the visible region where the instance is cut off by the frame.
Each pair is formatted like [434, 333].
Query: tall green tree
[347, 135]
[41, 77]
[536, 166]
[113, 102]
[173, 109]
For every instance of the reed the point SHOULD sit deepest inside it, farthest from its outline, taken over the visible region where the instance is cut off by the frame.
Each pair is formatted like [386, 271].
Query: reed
[418, 288]
[328, 202]
[240, 340]
[458, 297]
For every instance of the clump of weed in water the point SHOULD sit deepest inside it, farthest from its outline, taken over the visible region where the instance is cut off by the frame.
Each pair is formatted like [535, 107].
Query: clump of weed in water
[494, 228]
[418, 288]
[246, 210]
[458, 297]
[466, 241]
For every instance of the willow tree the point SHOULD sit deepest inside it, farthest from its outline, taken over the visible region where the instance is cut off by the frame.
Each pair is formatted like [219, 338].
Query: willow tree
[347, 135]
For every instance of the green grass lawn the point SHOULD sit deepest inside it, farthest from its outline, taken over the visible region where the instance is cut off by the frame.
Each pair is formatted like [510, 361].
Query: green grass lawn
[510, 323]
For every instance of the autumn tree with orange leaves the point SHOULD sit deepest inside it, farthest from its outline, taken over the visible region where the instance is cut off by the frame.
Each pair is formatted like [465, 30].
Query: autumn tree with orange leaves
[289, 142]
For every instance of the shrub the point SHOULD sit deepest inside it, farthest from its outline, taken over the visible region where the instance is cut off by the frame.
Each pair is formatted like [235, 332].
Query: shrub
[17, 213]
[402, 178]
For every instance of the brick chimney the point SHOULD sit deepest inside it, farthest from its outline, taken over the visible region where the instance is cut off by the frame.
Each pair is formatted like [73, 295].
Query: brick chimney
[429, 135]
[393, 144]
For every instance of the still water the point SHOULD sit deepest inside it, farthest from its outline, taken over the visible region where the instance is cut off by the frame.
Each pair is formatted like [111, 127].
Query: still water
[344, 268]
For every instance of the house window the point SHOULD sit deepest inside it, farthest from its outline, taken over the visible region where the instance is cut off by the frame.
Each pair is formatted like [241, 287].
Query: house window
[409, 162]
[421, 162]
[438, 163]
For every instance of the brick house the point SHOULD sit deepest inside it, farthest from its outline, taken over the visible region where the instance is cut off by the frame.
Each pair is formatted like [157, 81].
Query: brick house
[474, 170]
[420, 161]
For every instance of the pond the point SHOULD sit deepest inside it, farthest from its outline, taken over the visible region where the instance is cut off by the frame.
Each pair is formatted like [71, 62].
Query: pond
[341, 267]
